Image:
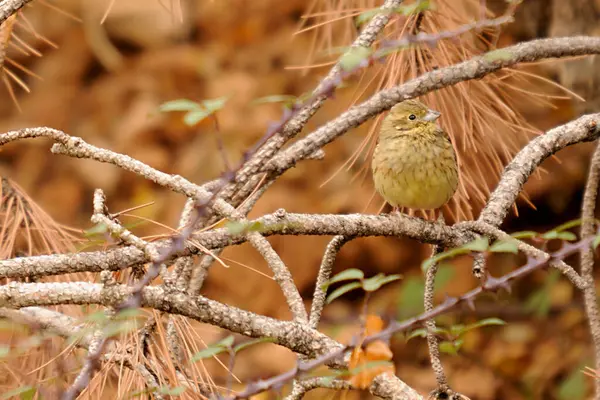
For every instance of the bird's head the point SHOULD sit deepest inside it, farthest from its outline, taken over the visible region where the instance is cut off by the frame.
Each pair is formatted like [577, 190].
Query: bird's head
[406, 116]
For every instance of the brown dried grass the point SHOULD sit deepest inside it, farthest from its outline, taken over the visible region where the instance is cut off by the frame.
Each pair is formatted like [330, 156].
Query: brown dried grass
[481, 116]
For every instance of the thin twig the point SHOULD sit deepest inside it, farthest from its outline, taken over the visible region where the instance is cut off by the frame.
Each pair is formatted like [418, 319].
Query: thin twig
[432, 341]
[325, 269]
[588, 223]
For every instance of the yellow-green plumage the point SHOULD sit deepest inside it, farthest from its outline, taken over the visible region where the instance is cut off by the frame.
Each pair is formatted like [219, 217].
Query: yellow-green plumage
[414, 163]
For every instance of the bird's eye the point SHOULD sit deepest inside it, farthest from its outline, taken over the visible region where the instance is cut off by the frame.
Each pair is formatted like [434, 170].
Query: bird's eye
[412, 117]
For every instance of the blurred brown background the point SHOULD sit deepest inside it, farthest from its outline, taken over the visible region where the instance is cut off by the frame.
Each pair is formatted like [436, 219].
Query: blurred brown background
[106, 82]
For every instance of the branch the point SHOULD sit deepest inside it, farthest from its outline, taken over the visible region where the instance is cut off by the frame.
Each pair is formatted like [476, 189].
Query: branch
[281, 274]
[590, 296]
[320, 295]
[278, 223]
[297, 337]
[10, 7]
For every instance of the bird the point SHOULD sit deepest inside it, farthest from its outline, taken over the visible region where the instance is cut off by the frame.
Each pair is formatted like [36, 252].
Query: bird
[414, 164]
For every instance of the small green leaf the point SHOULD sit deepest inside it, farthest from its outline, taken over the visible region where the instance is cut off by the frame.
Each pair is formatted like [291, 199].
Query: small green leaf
[214, 104]
[174, 391]
[97, 229]
[568, 225]
[410, 301]
[422, 332]
[596, 242]
[484, 322]
[366, 16]
[354, 57]
[227, 342]
[479, 244]
[193, 117]
[4, 351]
[554, 234]
[345, 275]
[253, 342]
[374, 283]
[179, 105]
[524, 234]
[415, 8]
[235, 227]
[498, 55]
[97, 317]
[214, 349]
[505, 246]
[120, 327]
[281, 98]
[573, 387]
[256, 226]
[444, 275]
[342, 290]
[26, 392]
[129, 313]
[448, 347]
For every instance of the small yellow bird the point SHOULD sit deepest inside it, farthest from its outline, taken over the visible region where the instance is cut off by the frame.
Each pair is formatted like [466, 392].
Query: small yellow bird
[414, 163]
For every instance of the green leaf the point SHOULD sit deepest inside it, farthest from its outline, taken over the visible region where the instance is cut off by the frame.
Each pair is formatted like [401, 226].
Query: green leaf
[505, 246]
[193, 117]
[345, 275]
[342, 290]
[129, 313]
[120, 327]
[484, 322]
[235, 227]
[444, 275]
[524, 234]
[25, 392]
[214, 349]
[422, 332]
[573, 387]
[479, 244]
[569, 236]
[97, 317]
[596, 242]
[354, 57]
[410, 301]
[366, 16]
[97, 229]
[415, 8]
[568, 225]
[174, 391]
[215, 104]
[179, 105]
[253, 342]
[449, 347]
[255, 226]
[4, 351]
[374, 283]
[278, 98]
[498, 55]
[227, 342]
[197, 112]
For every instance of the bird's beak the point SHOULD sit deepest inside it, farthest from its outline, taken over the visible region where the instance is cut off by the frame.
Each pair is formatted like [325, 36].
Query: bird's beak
[431, 115]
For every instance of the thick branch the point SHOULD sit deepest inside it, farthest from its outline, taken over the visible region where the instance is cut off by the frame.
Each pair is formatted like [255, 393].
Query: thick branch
[9, 7]
[297, 337]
